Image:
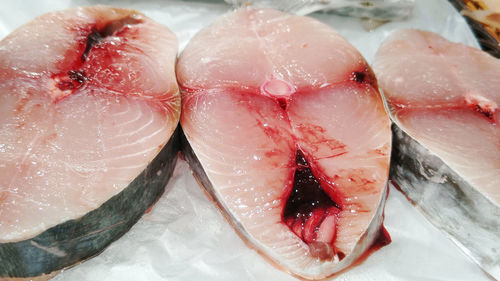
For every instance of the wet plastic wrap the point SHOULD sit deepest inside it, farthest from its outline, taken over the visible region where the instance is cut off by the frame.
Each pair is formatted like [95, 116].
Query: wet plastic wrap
[185, 237]
[383, 10]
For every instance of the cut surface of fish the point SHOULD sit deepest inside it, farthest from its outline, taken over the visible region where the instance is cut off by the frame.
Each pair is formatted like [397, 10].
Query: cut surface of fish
[88, 107]
[286, 130]
[444, 99]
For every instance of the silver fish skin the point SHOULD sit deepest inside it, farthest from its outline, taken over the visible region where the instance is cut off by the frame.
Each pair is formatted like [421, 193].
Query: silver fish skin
[447, 200]
[443, 99]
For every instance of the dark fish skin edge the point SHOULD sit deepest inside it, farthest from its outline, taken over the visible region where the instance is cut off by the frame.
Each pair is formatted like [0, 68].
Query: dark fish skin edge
[76, 240]
[446, 199]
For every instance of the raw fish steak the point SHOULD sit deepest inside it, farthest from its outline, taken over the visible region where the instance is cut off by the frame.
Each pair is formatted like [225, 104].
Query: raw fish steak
[444, 100]
[287, 131]
[88, 108]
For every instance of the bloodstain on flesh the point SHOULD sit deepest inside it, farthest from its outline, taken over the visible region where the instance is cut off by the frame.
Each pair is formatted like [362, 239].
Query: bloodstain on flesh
[71, 81]
[317, 136]
[478, 104]
[307, 193]
[365, 75]
[307, 207]
[383, 239]
[307, 203]
[74, 78]
[283, 103]
[400, 109]
[487, 111]
[92, 39]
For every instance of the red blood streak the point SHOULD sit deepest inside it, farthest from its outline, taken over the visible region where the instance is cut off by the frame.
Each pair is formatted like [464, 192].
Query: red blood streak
[308, 204]
[309, 199]
[365, 75]
[401, 107]
[283, 103]
[78, 66]
[383, 239]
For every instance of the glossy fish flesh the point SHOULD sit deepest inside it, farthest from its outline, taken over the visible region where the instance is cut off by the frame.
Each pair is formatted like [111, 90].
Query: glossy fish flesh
[286, 130]
[88, 108]
[444, 98]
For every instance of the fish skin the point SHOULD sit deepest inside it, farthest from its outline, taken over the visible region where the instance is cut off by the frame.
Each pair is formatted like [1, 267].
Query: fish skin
[364, 243]
[96, 120]
[243, 108]
[447, 200]
[79, 239]
[458, 80]
[446, 157]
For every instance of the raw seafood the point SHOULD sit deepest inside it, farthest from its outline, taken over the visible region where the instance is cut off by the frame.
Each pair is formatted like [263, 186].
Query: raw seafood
[285, 128]
[88, 102]
[444, 99]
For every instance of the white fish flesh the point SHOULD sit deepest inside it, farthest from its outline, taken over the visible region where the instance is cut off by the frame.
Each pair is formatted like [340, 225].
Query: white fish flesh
[287, 131]
[444, 98]
[88, 108]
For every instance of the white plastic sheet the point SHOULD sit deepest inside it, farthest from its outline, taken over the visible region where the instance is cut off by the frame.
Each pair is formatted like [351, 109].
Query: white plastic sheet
[185, 237]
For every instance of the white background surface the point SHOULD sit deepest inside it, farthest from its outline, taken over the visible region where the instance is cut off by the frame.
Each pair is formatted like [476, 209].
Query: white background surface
[186, 238]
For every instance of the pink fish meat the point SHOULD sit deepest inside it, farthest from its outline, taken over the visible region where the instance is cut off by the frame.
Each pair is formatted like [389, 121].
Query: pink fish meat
[444, 99]
[88, 108]
[287, 131]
